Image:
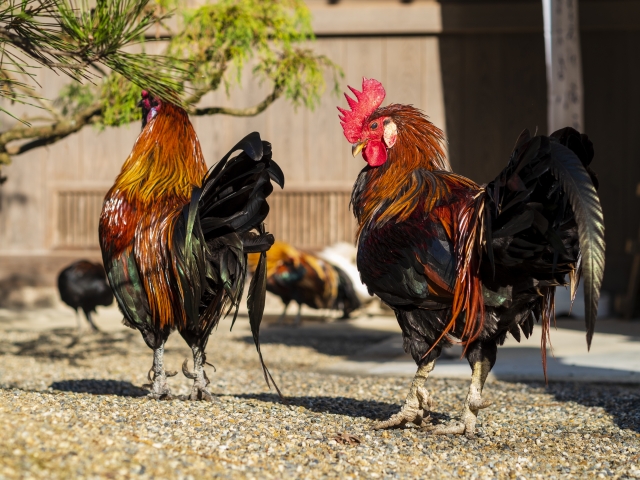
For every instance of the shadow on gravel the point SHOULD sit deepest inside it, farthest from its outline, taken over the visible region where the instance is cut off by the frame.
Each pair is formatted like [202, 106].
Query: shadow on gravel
[329, 339]
[66, 343]
[622, 402]
[350, 407]
[99, 387]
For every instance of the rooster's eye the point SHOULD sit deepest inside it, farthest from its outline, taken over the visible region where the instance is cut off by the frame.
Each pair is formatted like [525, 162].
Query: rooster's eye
[374, 125]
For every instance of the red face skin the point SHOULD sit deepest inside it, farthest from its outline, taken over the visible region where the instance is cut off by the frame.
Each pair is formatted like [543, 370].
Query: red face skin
[375, 142]
[150, 106]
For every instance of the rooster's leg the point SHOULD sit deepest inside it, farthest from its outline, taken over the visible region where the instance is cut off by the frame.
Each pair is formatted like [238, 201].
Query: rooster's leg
[79, 320]
[159, 388]
[417, 404]
[284, 314]
[482, 360]
[200, 381]
[94, 328]
[296, 321]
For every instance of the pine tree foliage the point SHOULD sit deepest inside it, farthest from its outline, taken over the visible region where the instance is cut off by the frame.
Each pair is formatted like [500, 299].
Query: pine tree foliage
[206, 48]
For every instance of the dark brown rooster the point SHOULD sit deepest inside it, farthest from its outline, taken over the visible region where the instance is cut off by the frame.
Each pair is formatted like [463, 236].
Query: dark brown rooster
[83, 285]
[295, 275]
[461, 262]
[175, 237]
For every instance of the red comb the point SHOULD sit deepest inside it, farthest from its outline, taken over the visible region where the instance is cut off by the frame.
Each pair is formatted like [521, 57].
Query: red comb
[144, 94]
[366, 102]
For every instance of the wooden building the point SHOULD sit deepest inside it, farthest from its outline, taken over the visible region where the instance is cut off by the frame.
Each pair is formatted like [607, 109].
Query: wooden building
[476, 67]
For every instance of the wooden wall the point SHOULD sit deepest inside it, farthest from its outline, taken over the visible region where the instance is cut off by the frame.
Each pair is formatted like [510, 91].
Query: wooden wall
[611, 81]
[475, 66]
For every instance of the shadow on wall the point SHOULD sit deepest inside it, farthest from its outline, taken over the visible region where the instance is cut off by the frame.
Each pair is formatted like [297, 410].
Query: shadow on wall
[8, 199]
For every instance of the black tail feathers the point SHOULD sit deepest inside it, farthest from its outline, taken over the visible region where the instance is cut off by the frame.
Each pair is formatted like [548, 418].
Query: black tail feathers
[579, 144]
[224, 222]
[544, 219]
[234, 192]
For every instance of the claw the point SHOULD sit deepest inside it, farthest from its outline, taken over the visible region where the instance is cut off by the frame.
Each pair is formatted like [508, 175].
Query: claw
[201, 393]
[171, 373]
[160, 396]
[469, 419]
[212, 366]
[456, 429]
[425, 399]
[151, 379]
[401, 418]
[416, 412]
[186, 372]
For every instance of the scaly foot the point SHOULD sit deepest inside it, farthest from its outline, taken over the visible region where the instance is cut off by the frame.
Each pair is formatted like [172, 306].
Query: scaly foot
[415, 410]
[200, 382]
[469, 419]
[159, 389]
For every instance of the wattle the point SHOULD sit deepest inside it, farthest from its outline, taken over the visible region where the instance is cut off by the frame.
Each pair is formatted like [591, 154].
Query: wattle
[375, 153]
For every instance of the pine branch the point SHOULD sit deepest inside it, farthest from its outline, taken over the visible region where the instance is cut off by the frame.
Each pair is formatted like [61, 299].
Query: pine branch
[76, 36]
[45, 134]
[240, 112]
[27, 92]
[52, 133]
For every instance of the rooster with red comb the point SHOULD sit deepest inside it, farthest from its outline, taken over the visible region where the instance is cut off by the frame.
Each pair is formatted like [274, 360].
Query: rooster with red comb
[465, 263]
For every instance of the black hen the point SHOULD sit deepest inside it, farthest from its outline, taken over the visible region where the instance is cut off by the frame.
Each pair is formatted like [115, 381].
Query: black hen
[84, 285]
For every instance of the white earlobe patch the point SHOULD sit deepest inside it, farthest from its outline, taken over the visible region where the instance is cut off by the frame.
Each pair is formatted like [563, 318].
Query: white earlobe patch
[390, 134]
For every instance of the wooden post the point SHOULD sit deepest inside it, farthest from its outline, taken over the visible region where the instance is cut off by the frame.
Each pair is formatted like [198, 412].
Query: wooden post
[564, 66]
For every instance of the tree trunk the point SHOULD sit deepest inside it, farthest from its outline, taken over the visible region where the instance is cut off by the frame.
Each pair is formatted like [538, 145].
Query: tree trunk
[564, 66]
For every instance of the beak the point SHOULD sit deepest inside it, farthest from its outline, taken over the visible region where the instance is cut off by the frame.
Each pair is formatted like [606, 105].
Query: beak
[139, 104]
[357, 147]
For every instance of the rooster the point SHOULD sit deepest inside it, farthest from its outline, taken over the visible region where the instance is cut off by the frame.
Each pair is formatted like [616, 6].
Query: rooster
[458, 261]
[308, 280]
[83, 284]
[175, 237]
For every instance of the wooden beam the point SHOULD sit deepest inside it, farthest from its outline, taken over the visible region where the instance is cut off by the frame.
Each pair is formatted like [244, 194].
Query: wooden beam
[380, 18]
[366, 18]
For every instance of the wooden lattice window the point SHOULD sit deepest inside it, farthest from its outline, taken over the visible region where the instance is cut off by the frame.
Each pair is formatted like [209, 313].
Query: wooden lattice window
[309, 220]
[77, 218]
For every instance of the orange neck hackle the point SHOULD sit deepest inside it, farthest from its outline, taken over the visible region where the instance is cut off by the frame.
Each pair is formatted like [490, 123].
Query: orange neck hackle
[419, 146]
[420, 143]
[166, 159]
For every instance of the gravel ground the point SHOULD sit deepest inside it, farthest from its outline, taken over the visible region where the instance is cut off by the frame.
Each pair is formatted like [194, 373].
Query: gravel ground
[73, 407]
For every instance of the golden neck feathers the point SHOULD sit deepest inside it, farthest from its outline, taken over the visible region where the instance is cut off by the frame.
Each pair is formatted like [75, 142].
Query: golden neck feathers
[140, 210]
[166, 159]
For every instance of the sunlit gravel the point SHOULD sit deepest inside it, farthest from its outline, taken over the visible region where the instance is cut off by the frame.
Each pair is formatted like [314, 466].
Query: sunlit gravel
[74, 407]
